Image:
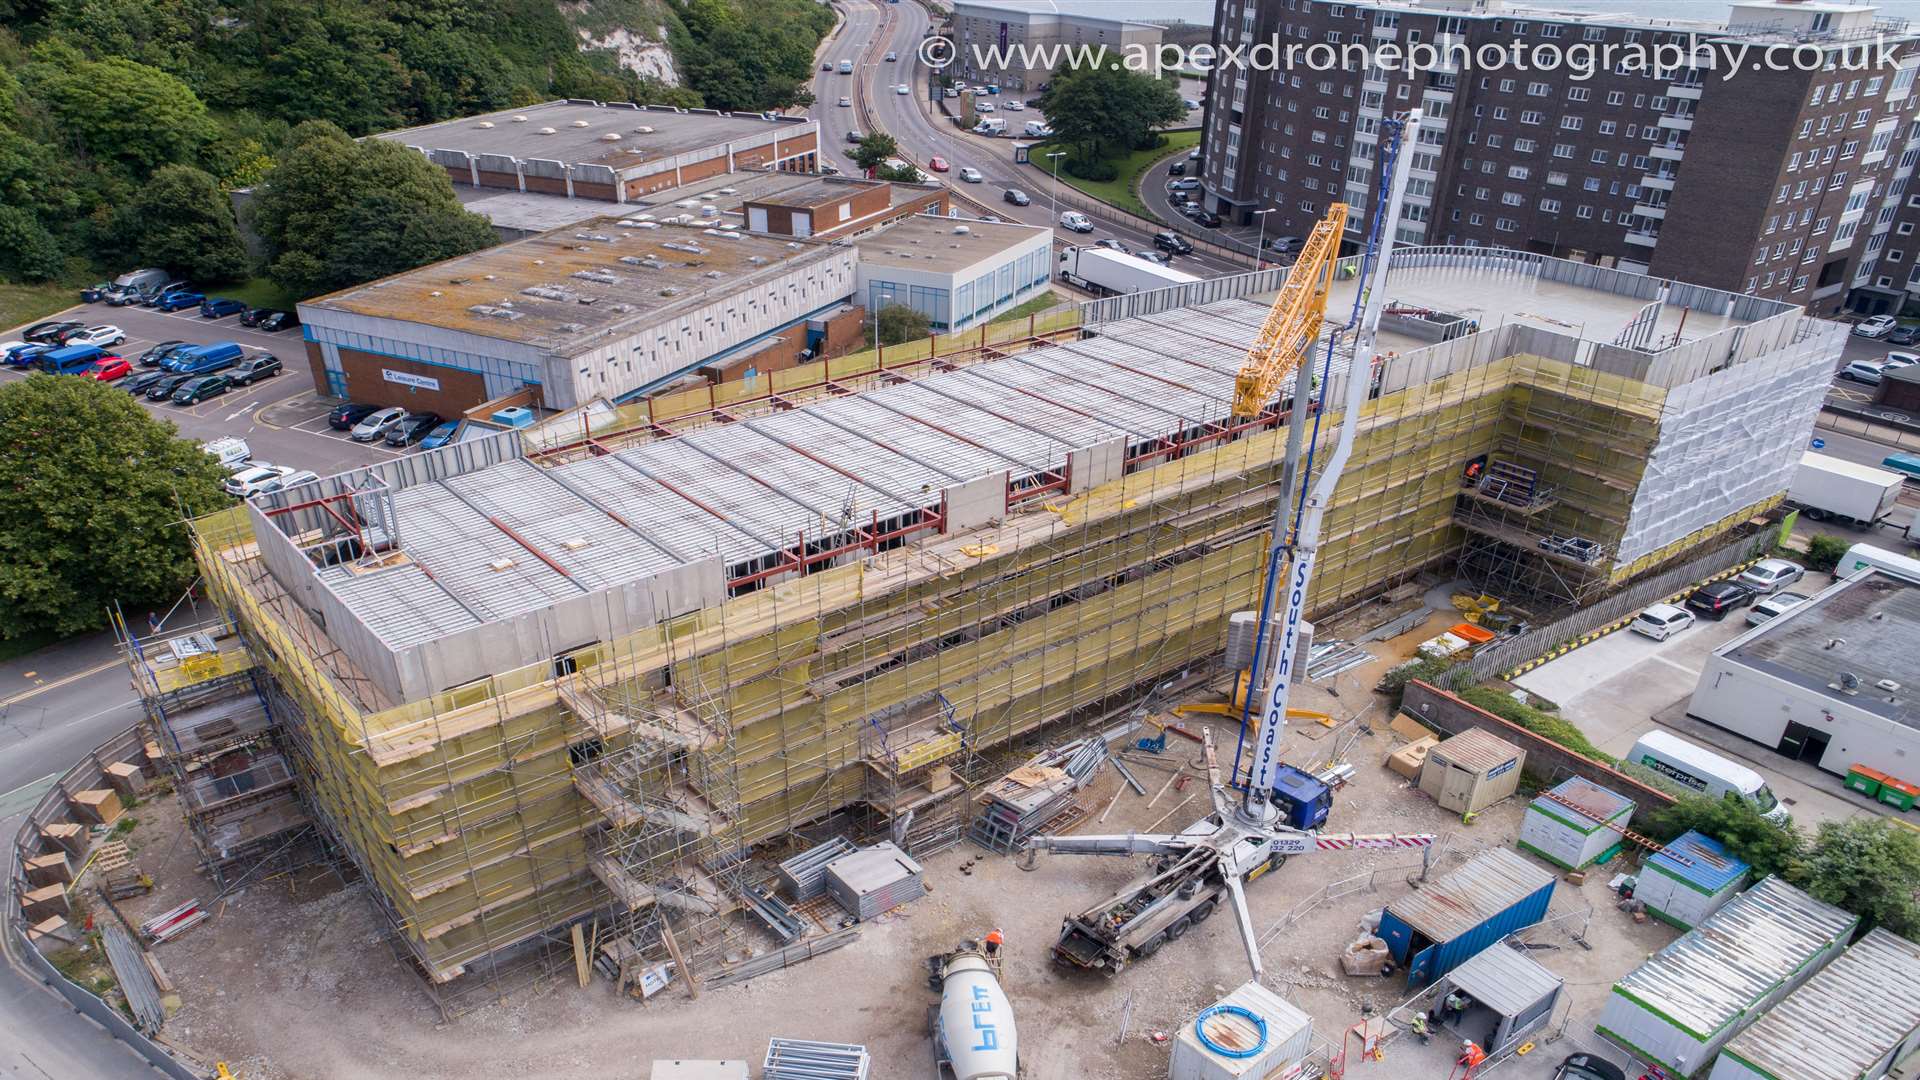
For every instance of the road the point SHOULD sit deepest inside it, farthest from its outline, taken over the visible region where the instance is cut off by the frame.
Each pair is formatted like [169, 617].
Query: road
[869, 31]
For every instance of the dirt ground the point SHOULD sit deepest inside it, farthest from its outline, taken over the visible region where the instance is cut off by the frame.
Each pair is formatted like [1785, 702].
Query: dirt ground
[292, 980]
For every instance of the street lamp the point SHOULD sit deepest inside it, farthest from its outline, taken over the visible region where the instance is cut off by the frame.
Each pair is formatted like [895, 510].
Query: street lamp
[1260, 248]
[1056, 155]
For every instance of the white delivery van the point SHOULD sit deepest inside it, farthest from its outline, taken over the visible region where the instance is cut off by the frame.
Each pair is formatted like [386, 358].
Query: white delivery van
[1038, 130]
[1704, 771]
[1861, 556]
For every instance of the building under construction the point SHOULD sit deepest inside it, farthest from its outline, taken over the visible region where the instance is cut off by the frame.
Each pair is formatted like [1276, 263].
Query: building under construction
[587, 672]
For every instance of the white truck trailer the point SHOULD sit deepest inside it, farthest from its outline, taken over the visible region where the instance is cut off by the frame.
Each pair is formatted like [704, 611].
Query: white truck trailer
[1104, 272]
[1829, 489]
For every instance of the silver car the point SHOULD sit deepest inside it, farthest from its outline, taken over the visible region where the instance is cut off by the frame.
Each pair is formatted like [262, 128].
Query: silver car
[375, 425]
[1773, 607]
[1771, 575]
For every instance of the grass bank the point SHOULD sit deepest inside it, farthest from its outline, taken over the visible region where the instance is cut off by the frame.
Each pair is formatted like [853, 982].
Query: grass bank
[1123, 190]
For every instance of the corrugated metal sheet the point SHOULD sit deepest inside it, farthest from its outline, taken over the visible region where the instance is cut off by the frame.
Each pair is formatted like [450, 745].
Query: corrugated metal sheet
[1505, 980]
[1705, 980]
[1712, 869]
[1593, 800]
[1476, 751]
[1844, 1020]
[1456, 902]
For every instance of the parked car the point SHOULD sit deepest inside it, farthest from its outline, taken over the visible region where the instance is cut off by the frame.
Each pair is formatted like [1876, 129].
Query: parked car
[231, 451]
[1287, 245]
[1773, 607]
[376, 424]
[1716, 598]
[139, 384]
[178, 301]
[1017, 197]
[1154, 257]
[252, 481]
[1899, 359]
[1661, 621]
[153, 356]
[152, 297]
[1206, 219]
[291, 480]
[21, 353]
[343, 417]
[1864, 371]
[1587, 1067]
[48, 333]
[1014, 106]
[1075, 221]
[440, 436]
[1178, 168]
[938, 163]
[1113, 245]
[1184, 183]
[983, 106]
[971, 175]
[163, 388]
[199, 388]
[1904, 335]
[1878, 326]
[1190, 209]
[108, 368]
[102, 335]
[219, 307]
[254, 368]
[1172, 243]
[412, 429]
[1190, 104]
[1771, 575]
[1193, 154]
[96, 293]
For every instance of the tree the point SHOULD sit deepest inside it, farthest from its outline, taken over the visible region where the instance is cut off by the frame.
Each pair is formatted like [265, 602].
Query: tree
[120, 110]
[183, 221]
[1868, 866]
[873, 151]
[336, 212]
[1767, 847]
[899, 323]
[27, 250]
[1824, 551]
[92, 505]
[1104, 112]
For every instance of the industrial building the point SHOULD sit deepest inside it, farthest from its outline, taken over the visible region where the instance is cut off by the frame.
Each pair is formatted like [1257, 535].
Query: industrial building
[614, 152]
[955, 273]
[1858, 1018]
[583, 670]
[1831, 682]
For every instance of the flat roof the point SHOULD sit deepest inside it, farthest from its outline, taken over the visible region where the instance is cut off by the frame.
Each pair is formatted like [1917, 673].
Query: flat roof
[578, 128]
[928, 242]
[1876, 618]
[1138, 12]
[528, 211]
[569, 288]
[1843, 1020]
[1467, 897]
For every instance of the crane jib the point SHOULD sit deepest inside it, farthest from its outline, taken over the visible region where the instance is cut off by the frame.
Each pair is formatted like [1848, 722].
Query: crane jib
[1273, 720]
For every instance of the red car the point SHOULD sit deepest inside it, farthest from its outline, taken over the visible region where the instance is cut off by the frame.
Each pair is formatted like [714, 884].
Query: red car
[109, 368]
[937, 164]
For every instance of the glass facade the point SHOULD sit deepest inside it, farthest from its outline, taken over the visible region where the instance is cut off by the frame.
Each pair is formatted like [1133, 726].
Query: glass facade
[969, 301]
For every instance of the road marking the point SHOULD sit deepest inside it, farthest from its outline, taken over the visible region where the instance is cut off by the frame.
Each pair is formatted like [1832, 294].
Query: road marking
[1693, 671]
[242, 411]
[58, 683]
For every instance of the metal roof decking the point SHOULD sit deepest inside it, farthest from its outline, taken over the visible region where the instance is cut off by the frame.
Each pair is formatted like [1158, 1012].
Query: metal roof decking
[401, 604]
[922, 440]
[483, 566]
[591, 547]
[667, 519]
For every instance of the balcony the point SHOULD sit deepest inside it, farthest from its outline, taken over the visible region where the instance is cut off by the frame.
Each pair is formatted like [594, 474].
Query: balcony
[1684, 91]
[1677, 123]
[1645, 238]
[1668, 151]
[1385, 33]
[1658, 181]
[1649, 210]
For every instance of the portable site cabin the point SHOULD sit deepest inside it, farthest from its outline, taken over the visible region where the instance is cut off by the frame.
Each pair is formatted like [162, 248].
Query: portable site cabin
[1684, 894]
[1684, 1004]
[1471, 771]
[1573, 836]
[1224, 1043]
[1512, 996]
[1853, 1020]
[1439, 927]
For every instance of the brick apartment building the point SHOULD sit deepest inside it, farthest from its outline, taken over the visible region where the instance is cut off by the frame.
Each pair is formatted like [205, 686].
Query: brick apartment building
[1789, 184]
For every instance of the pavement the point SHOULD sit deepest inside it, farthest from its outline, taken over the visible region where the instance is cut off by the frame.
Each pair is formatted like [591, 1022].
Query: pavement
[282, 418]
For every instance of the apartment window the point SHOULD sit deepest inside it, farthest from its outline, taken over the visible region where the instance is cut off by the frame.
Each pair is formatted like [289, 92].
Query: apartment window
[1905, 228]
[1563, 150]
[1633, 191]
[1806, 128]
[1616, 97]
[1594, 33]
[1571, 123]
[1579, 93]
[1584, 213]
[1895, 254]
[1549, 206]
[1613, 188]
[1608, 127]
[1558, 179]
[1551, 30]
[1518, 172]
[1499, 112]
[1606, 217]
[1800, 282]
[1768, 284]
[1476, 219]
[1506, 224]
[1599, 157]
[1794, 161]
[1314, 160]
[1533, 116]
[1639, 101]
[1778, 250]
[1538, 89]
[1326, 86]
[1820, 226]
[1819, 92]
[1658, 104]
[1849, 148]
[1773, 222]
[1524, 146]
[1506, 86]
[1481, 193]
[1322, 113]
[1519, 28]
[1494, 142]
[1760, 256]
[1752, 283]
[1591, 183]
[1512, 198]
[1641, 161]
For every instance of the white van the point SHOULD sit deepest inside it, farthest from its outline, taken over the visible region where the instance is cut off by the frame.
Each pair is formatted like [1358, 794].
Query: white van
[1038, 130]
[992, 125]
[1705, 772]
[1861, 556]
[232, 453]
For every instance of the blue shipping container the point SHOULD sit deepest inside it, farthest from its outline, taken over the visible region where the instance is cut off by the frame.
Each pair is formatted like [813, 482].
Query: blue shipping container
[1448, 921]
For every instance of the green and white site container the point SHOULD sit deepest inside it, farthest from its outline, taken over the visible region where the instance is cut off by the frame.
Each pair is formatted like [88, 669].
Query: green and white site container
[1854, 1021]
[1681, 1008]
[1573, 836]
[1685, 893]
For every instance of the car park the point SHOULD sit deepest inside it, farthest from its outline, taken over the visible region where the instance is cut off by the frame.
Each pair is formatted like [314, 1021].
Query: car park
[343, 417]
[1716, 598]
[1661, 621]
[103, 336]
[1869, 372]
[254, 368]
[971, 175]
[254, 479]
[1773, 607]
[1075, 221]
[108, 369]
[411, 429]
[938, 163]
[1172, 243]
[376, 424]
[199, 388]
[1770, 575]
[178, 301]
[139, 384]
[219, 307]
[162, 389]
[153, 356]
[440, 436]
[1878, 326]
[48, 333]
[1017, 197]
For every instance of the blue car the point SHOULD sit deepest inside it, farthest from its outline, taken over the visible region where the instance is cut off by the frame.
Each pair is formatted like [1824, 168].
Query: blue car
[440, 436]
[220, 307]
[24, 355]
[178, 300]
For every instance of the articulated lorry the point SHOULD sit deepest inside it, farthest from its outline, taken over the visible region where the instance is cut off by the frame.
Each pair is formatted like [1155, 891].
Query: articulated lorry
[1829, 489]
[1104, 272]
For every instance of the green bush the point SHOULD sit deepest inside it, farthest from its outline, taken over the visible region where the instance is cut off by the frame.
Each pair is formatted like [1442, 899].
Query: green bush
[1432, 670]
[1095, 169]
[1824, 551]
[1547, 727]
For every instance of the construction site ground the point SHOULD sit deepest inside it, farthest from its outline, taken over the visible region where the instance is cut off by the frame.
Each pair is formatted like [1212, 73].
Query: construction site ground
[292, 979]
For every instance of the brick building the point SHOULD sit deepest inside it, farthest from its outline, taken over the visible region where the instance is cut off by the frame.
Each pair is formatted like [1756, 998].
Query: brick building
[1783, 183]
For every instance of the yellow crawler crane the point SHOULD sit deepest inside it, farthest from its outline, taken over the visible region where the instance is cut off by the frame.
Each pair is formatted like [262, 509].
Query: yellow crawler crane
[1294, 320]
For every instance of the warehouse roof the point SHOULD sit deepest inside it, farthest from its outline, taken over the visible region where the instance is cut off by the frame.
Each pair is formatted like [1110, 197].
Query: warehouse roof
[728, 192]
[1709, 867]
[574, 132]
[1864, 627]
[569, 288]
[1843, 1020]
[1456, 902]
[1707, 978]
[930, 242]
